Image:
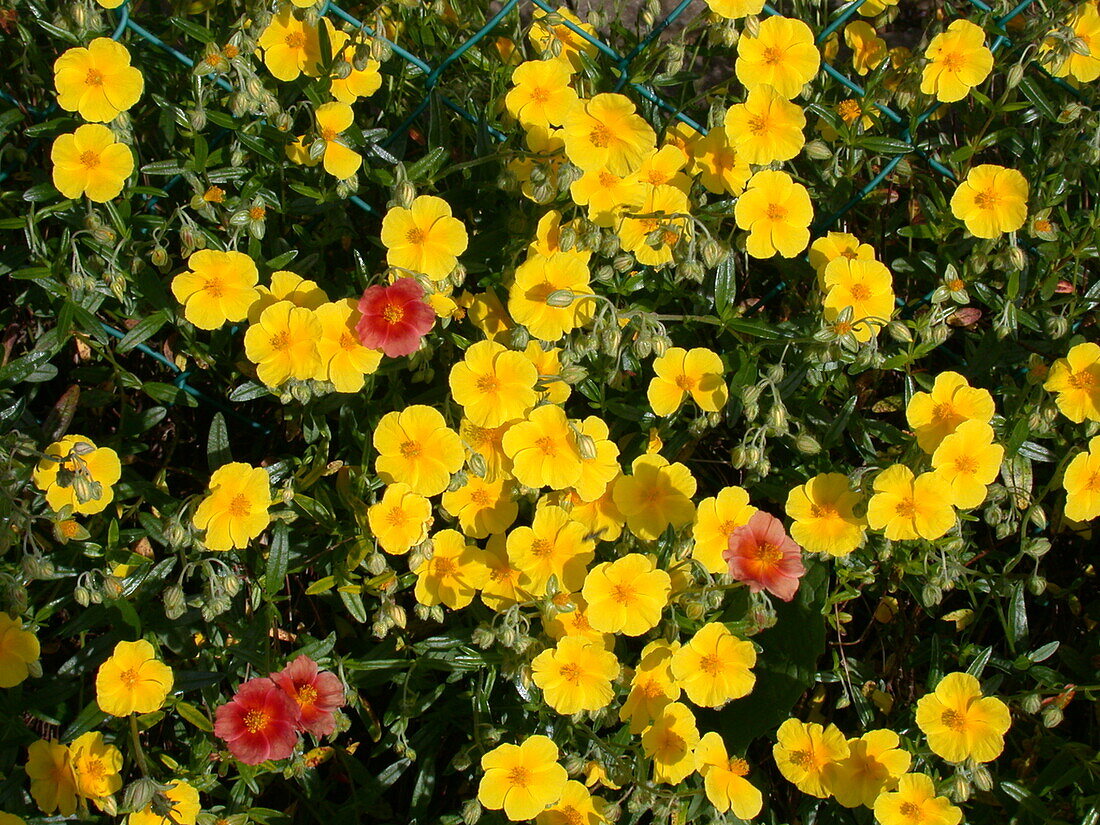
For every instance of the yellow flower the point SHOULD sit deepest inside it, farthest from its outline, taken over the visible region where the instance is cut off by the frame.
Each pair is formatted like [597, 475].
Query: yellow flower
[53, 785]
[733, 10]
[670, 742]
[873, 8]
[18, 649]
[78, 474]
[721, 170]
[287, 286]
[98, 82]
[576, 807]
[343, 361]
[487, 313]
[543, 450]
[550, 386]
[680, 372]
[1076, 380]
[864, 286]
[416, 446]
[652, 686]
[493, 384]
[868, 49]
[235, 510]
[715, 666]
[332, 119]
[575, 675]
[934, 416]
[656, 495]
[541, 94]
[218, 287]
[873, 765]
[573, 45]
[724, 778]
[601, 517]
[91, 162]
[359, 82]
[907, 508]
[781, 55]
[1084, 20]
[487, 442]
[545, 146]
[601, 466]
[777, 212]
[95, 765]
[606, 133]
[823, 512]
[960, 723]
[536, 280]
[626, 595]
[803, 750]
[607, 195]
[554, 545]
[663, 166]
[454, 573]
[715, 521]
[292, 47]
[522, 779]
[133, 680]
[283, 344]
[766, 127]
[184, 810]
[567, 615]
[991, 201]
[482, 507]
[957, 61]
[1082, 484]
[653, 239]
[400, 521]
[424, 238]
[835, 245]
[915, 803]
[297, 151]
[968, 461]
[501, 589]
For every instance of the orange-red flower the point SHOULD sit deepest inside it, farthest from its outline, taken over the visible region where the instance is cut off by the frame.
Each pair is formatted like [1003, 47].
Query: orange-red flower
[395, 317]
[762, 555]
[317, 692]
[260, 723]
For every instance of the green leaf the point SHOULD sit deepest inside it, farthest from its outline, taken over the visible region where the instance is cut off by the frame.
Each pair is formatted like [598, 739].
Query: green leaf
[1033, 93]
[88, 719]
[249, 391]
[194, 30]
[217, 443]
[278, 559]
[354, 603]
[163, 167]
[195, 716]
[143, 330]
[725, 286]
[885, 146]
[428, 165]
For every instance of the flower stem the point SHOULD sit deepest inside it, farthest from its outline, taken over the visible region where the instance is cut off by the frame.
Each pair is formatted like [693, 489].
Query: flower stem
[139, 754]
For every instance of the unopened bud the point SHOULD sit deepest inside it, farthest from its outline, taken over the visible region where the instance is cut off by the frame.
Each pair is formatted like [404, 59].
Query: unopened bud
[586, 446]
[560, 298]
[174, 602]
[960, 788]
[1037, 585]
[1033, 703]
[817, 150]
[807, 444]
[403, 194]
[82, 595]
[900, 331]
[471, 812]
[981, 777]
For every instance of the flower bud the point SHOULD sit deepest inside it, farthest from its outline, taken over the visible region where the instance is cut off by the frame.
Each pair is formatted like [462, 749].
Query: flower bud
[174, 603]
[560, 298]
[1015, 76]
[817, 150]
[197, 118]
[471, 812]
[981, 778]
[807, 444]
[1033, 703]
[82, 595]
[960, 788]
[1037, 585]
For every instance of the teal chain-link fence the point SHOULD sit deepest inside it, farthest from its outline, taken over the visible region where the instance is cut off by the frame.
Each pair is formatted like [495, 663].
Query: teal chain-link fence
[430, 77]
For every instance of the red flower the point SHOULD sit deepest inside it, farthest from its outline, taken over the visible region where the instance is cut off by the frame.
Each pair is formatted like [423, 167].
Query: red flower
[260, 723]
[318, 694]
[762, 555]
[395, 317]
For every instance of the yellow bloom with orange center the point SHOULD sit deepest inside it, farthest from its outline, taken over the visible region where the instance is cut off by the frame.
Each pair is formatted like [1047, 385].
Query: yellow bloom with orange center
[1076, 380]
[454, 573]
[607, 133]
[577, 805]
[823, 514]
[656, 495]
[670, 742]
[715, 520]
[339, 160]
[907, 508]
[541, 94]
[91, 162]
[132, 680]
[724, 778]
[493, 384]
[865, 287]
[544, 37]
[76, 473]
[283, 344]
[777, 212]
[554, 545]
[1082, 484]
[868, 49]
[287, 286]
[522, 780]
[424, 238]
[234, 510]
[679, 373]
[960, 723]
[601, 517]
[486, 312]
[991, 201]
[720, 168]
[400, 520]
[715, 667]
[835, 245]
[663, 167]
[567, 615]
[935, 415]
[53, 784]
[968, 461]
[600, 465]
[781, 55]
[735, 9]
[652, 686]
[661, 222]
[543, 450]
[293, 47]
[417, 447]
[766, 127]
[874, 764]
[487, 442]
[958, 60]
[915, 803]
[343, 361]
[804, 749]
[627, 595]
[97, 82]
[184, 807]
[550, 386]
[502, 588]
[96, 766]
[575, 675]
[563, 275]
[218, 287]
[482, 507]
[607, 195]
[19, 648]
[1084, 21]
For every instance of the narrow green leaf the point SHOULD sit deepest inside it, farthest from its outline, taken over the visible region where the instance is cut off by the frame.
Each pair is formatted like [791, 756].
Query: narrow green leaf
[146, 328]
[278, 559]
[217, 443]
[195, 716]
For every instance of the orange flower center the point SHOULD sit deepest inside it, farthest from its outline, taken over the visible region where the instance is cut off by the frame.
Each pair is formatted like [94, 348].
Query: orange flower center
[776, 212]
[772, 55]
[214, 287]
[953, 719]
[738, 766]
[328, 135]
[239, 507]
[444, 567]
[607, 180]
[966, 464]
[348, 341]
[725, 159]
[710, 664]
[954, 61]
[547, 445]
[231, 51]
[804, 759]
[129, 678]
[758, 124]
[414, 236]
[651, 688]
[571, 672]
[410, 449]
[600, 136]
[539, 95]
[306, 695]
[656, 177]
[669, 238]
[943, 413]
[94, 78]
[580, 621]
[671, 742]
[541, 547]
[397, 517]
[255, 720]
[1043, 225]
[572, 816]
[519, 776]
[257, 213]
[848, 110]
[481, 497]
[488, 384]
[393, 313]
[910, 810]
[906, 508]
[89, 159]
[1083, 380]
[95, 769]
[296, 40]
[987, 199]
[767, 553]
[860, 292]
[213, 59]
[622, 594]
[685, 382]
[280, 341]
[956, 285]
[215, 194]
[825, 511]
[503, 574]
[843, 327]
[1094, 482]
